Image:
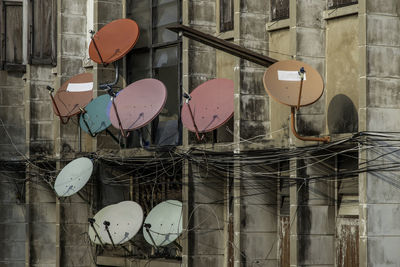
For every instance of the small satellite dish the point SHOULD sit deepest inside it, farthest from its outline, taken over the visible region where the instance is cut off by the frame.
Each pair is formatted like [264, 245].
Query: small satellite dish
[113, 41]
[282, 82]
[138, 104]
[95, 116]
[124, 221]
[73, 177]
[74, 94]
[164, 223]
[209, 106]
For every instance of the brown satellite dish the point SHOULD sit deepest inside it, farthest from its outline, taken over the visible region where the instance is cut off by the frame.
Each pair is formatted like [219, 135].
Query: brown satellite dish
[73, 95]
[282, 82]
[138, 104]
[295, 84]
[113, 41]
[209, 106]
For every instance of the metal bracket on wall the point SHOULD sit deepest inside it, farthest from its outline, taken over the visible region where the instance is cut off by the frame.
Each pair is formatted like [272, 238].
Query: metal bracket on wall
[223, 45]
[51, 90]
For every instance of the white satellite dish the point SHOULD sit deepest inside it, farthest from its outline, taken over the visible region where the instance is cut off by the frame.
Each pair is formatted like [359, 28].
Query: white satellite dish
[124, 219]
[164, 223]
[73, 177]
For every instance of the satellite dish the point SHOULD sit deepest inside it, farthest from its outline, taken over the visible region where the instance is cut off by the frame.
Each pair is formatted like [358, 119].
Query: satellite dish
[138, 104]
[113, 41]
[209, 106]
[282, 82]
[125, 220]
[73, 177]
[295, 84]
[74, 94]
[95, 118]
[164, 223]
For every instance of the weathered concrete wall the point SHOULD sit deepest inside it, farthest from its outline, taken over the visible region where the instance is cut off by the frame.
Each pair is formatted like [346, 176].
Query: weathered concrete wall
[379, 110]
[254, 102]
[207, 236]
[342, 74]
[12, 114]
[42, 234]
[259, 218]
[279, 48]
[310, 48]
[13, 216]
[41, 114]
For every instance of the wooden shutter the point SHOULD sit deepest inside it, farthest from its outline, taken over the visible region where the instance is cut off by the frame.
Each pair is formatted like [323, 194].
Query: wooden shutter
[11, 22]
[43, 32]
[279, 9]
[340, 3]
[226, 15]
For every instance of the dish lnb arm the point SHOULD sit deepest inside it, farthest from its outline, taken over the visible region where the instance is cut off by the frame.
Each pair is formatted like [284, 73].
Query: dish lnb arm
[91, 222]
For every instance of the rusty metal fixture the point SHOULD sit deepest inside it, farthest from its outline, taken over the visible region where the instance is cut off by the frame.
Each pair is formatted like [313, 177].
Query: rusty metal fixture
[324, 139]
[223, 45]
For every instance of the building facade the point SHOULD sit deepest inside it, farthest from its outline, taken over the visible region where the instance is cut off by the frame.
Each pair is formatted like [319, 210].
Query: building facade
[252, 193]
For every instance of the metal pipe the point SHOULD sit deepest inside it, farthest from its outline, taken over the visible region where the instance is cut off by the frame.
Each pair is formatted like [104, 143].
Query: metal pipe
[324, 139]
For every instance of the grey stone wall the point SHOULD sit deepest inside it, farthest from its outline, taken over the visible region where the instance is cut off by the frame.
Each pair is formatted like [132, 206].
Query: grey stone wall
[12, 114]
[254, 102]
[13, 217]
[379, 202]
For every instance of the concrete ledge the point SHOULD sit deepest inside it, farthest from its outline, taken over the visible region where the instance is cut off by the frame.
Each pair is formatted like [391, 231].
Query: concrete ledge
[278, 25]
[121, 261]
[340, 12]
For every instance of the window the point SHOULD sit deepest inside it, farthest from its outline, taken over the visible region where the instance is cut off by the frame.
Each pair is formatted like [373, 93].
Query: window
[225, 15]
[15, 29]
[43, 32]
[158, 55]
[12, 37]
[340, 3]
[279, 9]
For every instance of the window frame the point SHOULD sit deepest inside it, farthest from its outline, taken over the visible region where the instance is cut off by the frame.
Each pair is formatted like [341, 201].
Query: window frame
[280, 16]
[24, 46]
[339, 5]
[53, 35]
[150, 49]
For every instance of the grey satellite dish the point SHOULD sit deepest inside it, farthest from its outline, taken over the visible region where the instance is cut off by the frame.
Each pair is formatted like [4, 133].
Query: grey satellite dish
[122, 220]
[163, 225]
[73, 177]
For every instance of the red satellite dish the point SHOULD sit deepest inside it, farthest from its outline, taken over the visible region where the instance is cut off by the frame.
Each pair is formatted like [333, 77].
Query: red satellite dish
[211, 105]
[113, 41]
[138, 104]
[74, 94]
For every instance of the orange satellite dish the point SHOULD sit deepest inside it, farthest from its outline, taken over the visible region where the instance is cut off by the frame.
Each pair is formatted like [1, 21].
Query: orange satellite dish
[113, 41]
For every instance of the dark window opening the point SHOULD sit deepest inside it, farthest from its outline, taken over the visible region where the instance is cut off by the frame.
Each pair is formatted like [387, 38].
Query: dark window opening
[11, 21]
[279, 9]
[340, 3]
[226, 15]
[158, 55]
[43, 32]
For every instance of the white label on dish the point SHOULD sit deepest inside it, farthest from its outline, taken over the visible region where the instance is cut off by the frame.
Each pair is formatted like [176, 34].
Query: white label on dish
[79, 87]
[291, 76]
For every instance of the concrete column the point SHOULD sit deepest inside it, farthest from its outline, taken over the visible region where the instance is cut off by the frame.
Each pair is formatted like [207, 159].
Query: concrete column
[379, 104]
[313, 224]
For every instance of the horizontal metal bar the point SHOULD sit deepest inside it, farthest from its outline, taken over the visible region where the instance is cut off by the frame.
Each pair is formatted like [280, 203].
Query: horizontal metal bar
[223, 45]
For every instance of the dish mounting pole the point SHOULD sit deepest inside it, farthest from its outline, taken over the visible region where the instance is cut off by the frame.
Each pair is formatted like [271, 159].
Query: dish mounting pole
[92, 32]
[51, 90]
[91, 222]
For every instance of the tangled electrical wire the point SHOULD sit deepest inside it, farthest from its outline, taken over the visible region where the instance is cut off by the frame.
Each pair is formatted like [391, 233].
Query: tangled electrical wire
[213, 179]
